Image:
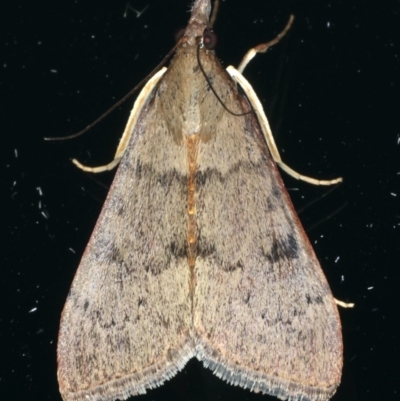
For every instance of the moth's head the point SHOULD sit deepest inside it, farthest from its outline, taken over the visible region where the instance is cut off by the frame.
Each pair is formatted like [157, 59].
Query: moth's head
[198, 32]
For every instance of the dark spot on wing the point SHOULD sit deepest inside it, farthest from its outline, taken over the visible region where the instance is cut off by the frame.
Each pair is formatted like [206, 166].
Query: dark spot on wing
[204, 249]
[178, 250]
[121, 210]
[317, 299]
[211, 174]
[147, 172]
[247, 299]
[276, 191]
[270, 205]
[116, 256]
[285, 248]
[207, 250]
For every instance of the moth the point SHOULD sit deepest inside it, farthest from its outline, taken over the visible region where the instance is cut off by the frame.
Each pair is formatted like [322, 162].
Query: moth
[198, 251]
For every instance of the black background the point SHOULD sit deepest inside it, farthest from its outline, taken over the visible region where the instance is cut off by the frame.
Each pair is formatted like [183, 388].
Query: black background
[331, 91]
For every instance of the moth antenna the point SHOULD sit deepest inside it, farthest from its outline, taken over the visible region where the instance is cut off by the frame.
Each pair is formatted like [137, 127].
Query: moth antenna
[212, 88]
[214, 13]
[317, 199]
[124, 98]
[339, 209]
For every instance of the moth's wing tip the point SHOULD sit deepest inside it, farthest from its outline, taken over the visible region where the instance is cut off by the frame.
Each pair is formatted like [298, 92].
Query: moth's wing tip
[260, 382]
[132, 384]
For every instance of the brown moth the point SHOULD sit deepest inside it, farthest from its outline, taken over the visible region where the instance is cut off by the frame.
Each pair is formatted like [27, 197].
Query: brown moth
[198, 251]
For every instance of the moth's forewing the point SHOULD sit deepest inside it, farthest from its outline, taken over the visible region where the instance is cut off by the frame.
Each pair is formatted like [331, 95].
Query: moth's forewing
[264, 315]
[126, 323]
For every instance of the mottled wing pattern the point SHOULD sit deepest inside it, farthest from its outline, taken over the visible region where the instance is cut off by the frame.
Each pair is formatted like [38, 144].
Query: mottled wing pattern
[264, 315]
[125, 326]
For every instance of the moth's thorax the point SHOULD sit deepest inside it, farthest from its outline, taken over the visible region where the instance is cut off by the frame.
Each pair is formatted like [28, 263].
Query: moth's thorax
[189, 95]
[189, 104]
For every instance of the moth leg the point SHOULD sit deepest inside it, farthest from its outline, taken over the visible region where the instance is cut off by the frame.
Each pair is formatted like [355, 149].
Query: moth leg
[262, 119]
[130, 126]
[343, 304]
[263, 47]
